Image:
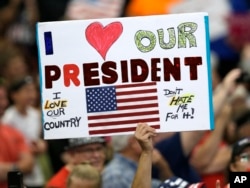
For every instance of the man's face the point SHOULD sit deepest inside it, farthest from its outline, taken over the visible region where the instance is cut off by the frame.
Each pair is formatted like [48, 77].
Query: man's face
[94, 154]
[244, 130]
[80, 183]
[25, 95]
[242, 162]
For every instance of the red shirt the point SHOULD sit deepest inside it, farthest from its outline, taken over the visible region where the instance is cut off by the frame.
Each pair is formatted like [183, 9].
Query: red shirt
[59, 180]
[210, 179]
[12, 145]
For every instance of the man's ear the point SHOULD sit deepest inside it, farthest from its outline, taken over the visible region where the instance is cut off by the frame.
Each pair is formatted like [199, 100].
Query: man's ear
[232, 167]
[132, 141]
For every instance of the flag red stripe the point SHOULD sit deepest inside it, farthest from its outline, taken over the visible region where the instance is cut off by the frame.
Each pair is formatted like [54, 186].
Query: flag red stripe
[136, 92]
[119, 125]
[136, 85]
[98, 124]
[123, 115]
[127, 129]
[137, 99]
[141, 106]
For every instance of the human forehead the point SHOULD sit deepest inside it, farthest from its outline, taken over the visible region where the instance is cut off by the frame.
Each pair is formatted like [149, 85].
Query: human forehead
[28, 85]
[77, 182]
[246, 150]
[246, 123]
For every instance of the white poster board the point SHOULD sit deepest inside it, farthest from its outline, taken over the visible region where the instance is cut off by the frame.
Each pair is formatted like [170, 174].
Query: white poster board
[103, 76]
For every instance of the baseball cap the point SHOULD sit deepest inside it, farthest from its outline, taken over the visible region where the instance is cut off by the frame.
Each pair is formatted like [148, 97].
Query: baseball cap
[77, 142]
[239, 146]
[177, 182]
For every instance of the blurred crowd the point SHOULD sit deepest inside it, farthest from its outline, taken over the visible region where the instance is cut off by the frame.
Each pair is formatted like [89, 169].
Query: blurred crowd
[112, 162]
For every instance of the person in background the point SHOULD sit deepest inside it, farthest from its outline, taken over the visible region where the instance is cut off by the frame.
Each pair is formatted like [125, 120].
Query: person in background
[13, 65]
[85, 9]
[89, 150]
[8, 12]
[144, 134]
[14, 151]
[178, 148]
[18, 26]
[120, 171]
[225, 89]
[85, 176]
[244, 64]
[240, 158]
[242, 123]
[212, 154]
[22, 116]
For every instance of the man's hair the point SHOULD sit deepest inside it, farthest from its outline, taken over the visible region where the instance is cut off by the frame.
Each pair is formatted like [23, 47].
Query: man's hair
[86, 172]
[120, 142]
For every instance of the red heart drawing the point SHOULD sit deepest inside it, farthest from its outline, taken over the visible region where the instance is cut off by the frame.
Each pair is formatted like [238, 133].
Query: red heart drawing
[102, 38]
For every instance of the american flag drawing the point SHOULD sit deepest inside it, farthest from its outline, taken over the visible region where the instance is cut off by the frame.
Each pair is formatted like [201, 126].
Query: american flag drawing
[119, 108]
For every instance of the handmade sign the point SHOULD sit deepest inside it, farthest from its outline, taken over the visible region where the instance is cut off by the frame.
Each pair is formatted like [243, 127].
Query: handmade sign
[103, 76]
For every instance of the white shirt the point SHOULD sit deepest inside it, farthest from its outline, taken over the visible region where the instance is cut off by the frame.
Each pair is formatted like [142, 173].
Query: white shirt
[30, 126]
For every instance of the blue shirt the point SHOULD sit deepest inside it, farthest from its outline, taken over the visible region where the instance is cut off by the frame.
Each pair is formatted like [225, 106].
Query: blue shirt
[171, 150]
[120, 172]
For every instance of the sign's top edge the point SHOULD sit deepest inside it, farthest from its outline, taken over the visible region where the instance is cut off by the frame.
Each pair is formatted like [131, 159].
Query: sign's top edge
[123, 18]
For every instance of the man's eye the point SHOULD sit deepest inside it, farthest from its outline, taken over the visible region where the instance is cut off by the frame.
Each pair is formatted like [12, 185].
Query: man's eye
[244, 158]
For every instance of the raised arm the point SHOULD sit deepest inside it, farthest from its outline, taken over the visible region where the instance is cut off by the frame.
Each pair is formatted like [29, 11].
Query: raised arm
[225, 88]
[8, 13]
[204, 154]
[191, 138]
[144, 135]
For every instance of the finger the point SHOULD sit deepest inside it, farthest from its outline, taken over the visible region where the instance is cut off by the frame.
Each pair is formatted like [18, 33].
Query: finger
[148, 135]
[217, 184]
[151, 129]
[142, 128]
[139, 132]
[139, 128]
